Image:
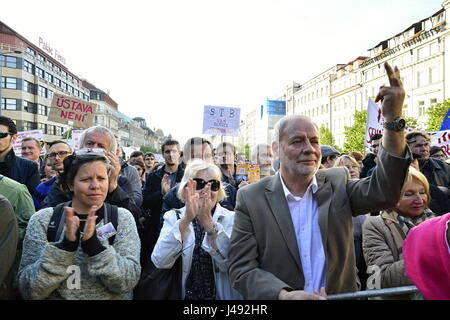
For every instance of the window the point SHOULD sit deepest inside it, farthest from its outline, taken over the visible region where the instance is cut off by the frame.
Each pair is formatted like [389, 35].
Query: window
[70, 88]
[9, 104]
[7, 61]
[434, 75]
[57, 82]
[40, 58]
[58, 69]
[434, 48]
[64, 74]
[50, 129]
[8, 83]
[39, 72]
[423, 52]
[59, 131]
[29, 107]
[48, 77]
[50, 64]
[29, 87]
[421, 78]
[27, 125]
[42, 110]
[42, 126]
[64, 85]
[421, 108]
[31, 51]
[42, 91]
[28, 66]
[433, 101]
[49, 94]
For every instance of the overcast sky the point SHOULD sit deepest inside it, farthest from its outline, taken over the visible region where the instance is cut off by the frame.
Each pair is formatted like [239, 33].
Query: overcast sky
[164, 60]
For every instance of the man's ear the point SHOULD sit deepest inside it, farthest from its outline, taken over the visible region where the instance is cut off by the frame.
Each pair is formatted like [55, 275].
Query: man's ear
[13, 138]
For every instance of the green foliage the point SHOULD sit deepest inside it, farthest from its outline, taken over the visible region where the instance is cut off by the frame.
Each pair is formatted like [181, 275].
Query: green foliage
[436, 115]
[354, 135]
[146, 149]
[326, 137]
[412, 123]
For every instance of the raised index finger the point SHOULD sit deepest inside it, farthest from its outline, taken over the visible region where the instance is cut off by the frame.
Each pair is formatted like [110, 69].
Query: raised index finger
[393, 75]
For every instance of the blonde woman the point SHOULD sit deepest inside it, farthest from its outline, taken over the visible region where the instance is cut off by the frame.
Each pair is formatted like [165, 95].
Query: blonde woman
[201, 235]
[383, 235]
[351, 164]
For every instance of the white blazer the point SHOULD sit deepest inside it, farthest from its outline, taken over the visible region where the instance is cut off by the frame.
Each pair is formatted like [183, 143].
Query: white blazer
[170, 245]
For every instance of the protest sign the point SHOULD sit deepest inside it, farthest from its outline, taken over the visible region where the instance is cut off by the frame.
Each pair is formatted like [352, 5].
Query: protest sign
[37, 134]
[441, 139]
[65, 109]
[374, 122]
[76, 135]
[221, 121]
[248, 172]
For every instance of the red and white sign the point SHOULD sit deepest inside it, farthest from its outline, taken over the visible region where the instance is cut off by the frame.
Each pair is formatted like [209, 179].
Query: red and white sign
[65, 109]
[374, 122]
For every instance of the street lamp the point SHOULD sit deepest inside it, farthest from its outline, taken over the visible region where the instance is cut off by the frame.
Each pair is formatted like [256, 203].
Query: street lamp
[2, 53]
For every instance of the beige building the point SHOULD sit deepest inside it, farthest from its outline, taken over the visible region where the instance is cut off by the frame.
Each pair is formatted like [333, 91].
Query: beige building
[422, 53]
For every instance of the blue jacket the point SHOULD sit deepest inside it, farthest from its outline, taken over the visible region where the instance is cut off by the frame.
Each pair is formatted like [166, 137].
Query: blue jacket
[23, 171]
[42, 190]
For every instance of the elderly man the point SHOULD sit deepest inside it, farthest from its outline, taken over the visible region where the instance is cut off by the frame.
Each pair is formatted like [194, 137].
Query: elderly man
[292, 233]
[121, 191]
[31, 149]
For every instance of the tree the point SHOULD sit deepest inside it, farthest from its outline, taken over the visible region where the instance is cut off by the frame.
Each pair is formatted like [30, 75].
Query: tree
[436, 115]
[412, 123]
[326, 137]
[355, 134]
[146, 149]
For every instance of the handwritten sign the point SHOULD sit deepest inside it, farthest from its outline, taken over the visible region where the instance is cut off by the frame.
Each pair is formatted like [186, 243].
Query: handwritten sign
[374, 122]
[65, 109]
[221, 121]
[248, 172]
[37, 134]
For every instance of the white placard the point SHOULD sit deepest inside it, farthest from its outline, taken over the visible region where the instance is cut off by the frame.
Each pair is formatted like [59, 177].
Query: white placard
[221, 121]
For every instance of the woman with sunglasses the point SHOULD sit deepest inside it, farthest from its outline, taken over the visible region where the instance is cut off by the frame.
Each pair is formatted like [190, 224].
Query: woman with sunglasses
[85, 260]
[201, 235]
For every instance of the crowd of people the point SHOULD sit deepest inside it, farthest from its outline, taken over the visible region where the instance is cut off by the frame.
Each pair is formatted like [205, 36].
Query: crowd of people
[90, 224]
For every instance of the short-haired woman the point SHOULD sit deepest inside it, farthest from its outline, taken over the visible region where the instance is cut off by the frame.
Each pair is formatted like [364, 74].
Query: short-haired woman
[383, 235]
[201, 235]
[101, 269]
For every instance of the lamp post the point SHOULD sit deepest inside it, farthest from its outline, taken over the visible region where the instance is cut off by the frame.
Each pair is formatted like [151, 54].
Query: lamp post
[2, 53]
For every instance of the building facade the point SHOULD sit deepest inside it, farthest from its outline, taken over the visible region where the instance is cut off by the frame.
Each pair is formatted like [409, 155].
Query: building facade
[421, 52]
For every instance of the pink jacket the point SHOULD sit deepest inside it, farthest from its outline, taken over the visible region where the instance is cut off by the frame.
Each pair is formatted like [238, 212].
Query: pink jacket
[427, 258]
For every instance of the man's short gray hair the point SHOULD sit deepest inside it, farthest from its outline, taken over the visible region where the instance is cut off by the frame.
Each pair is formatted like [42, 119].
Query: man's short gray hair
[281, 124]
[113, 145]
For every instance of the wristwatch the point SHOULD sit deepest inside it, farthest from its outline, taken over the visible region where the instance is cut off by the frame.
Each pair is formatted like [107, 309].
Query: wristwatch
[398, 124]
[213, 231]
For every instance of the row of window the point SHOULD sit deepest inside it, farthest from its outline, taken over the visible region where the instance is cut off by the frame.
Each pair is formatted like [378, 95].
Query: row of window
[53, 66]
[29, 67]
[27, 106]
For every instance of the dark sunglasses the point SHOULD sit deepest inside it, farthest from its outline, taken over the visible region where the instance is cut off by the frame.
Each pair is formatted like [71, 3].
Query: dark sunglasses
[4, 134]
[215, 184]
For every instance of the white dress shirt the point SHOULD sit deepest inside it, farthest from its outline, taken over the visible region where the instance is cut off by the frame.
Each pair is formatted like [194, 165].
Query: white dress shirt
[305, 217]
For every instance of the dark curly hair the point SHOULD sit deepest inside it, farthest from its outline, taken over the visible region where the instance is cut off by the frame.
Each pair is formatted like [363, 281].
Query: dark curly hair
[72, 164]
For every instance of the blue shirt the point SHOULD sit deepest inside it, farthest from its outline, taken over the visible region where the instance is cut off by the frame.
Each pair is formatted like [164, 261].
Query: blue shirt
[305, 217]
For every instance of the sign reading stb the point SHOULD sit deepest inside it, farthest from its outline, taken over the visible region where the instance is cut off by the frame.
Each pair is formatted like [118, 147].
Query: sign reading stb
[221, 121]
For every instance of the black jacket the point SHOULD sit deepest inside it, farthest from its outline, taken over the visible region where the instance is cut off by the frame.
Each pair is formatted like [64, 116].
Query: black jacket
[23, 171]
[437, 172]
[153, 198]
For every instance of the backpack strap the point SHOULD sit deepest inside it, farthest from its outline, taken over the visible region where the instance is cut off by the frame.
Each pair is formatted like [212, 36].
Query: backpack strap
[111, 214]
[57, 221]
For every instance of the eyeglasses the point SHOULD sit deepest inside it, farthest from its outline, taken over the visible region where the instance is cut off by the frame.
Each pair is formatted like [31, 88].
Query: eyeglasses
[215, 184]
[61, 154]
[4, 134]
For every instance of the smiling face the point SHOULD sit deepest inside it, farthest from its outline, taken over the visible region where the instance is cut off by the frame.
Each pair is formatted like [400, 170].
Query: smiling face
[90, 185]
[299, 148]
[413, 200]
[30, 150]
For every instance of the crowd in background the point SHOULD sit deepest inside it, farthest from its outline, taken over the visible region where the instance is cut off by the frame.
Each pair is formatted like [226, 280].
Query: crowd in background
[114, 217]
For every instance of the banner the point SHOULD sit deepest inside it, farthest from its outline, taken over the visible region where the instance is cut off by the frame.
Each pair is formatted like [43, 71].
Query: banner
[374, 122]
[65, 109]
[248, 172]
[37, 134]
[221, 121]
[441, 139]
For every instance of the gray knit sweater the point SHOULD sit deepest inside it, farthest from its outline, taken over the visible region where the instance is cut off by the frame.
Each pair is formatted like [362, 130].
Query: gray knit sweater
[111, 274]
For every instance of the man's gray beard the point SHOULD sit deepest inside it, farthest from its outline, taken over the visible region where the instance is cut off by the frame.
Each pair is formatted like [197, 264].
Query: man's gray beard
[297, 171]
